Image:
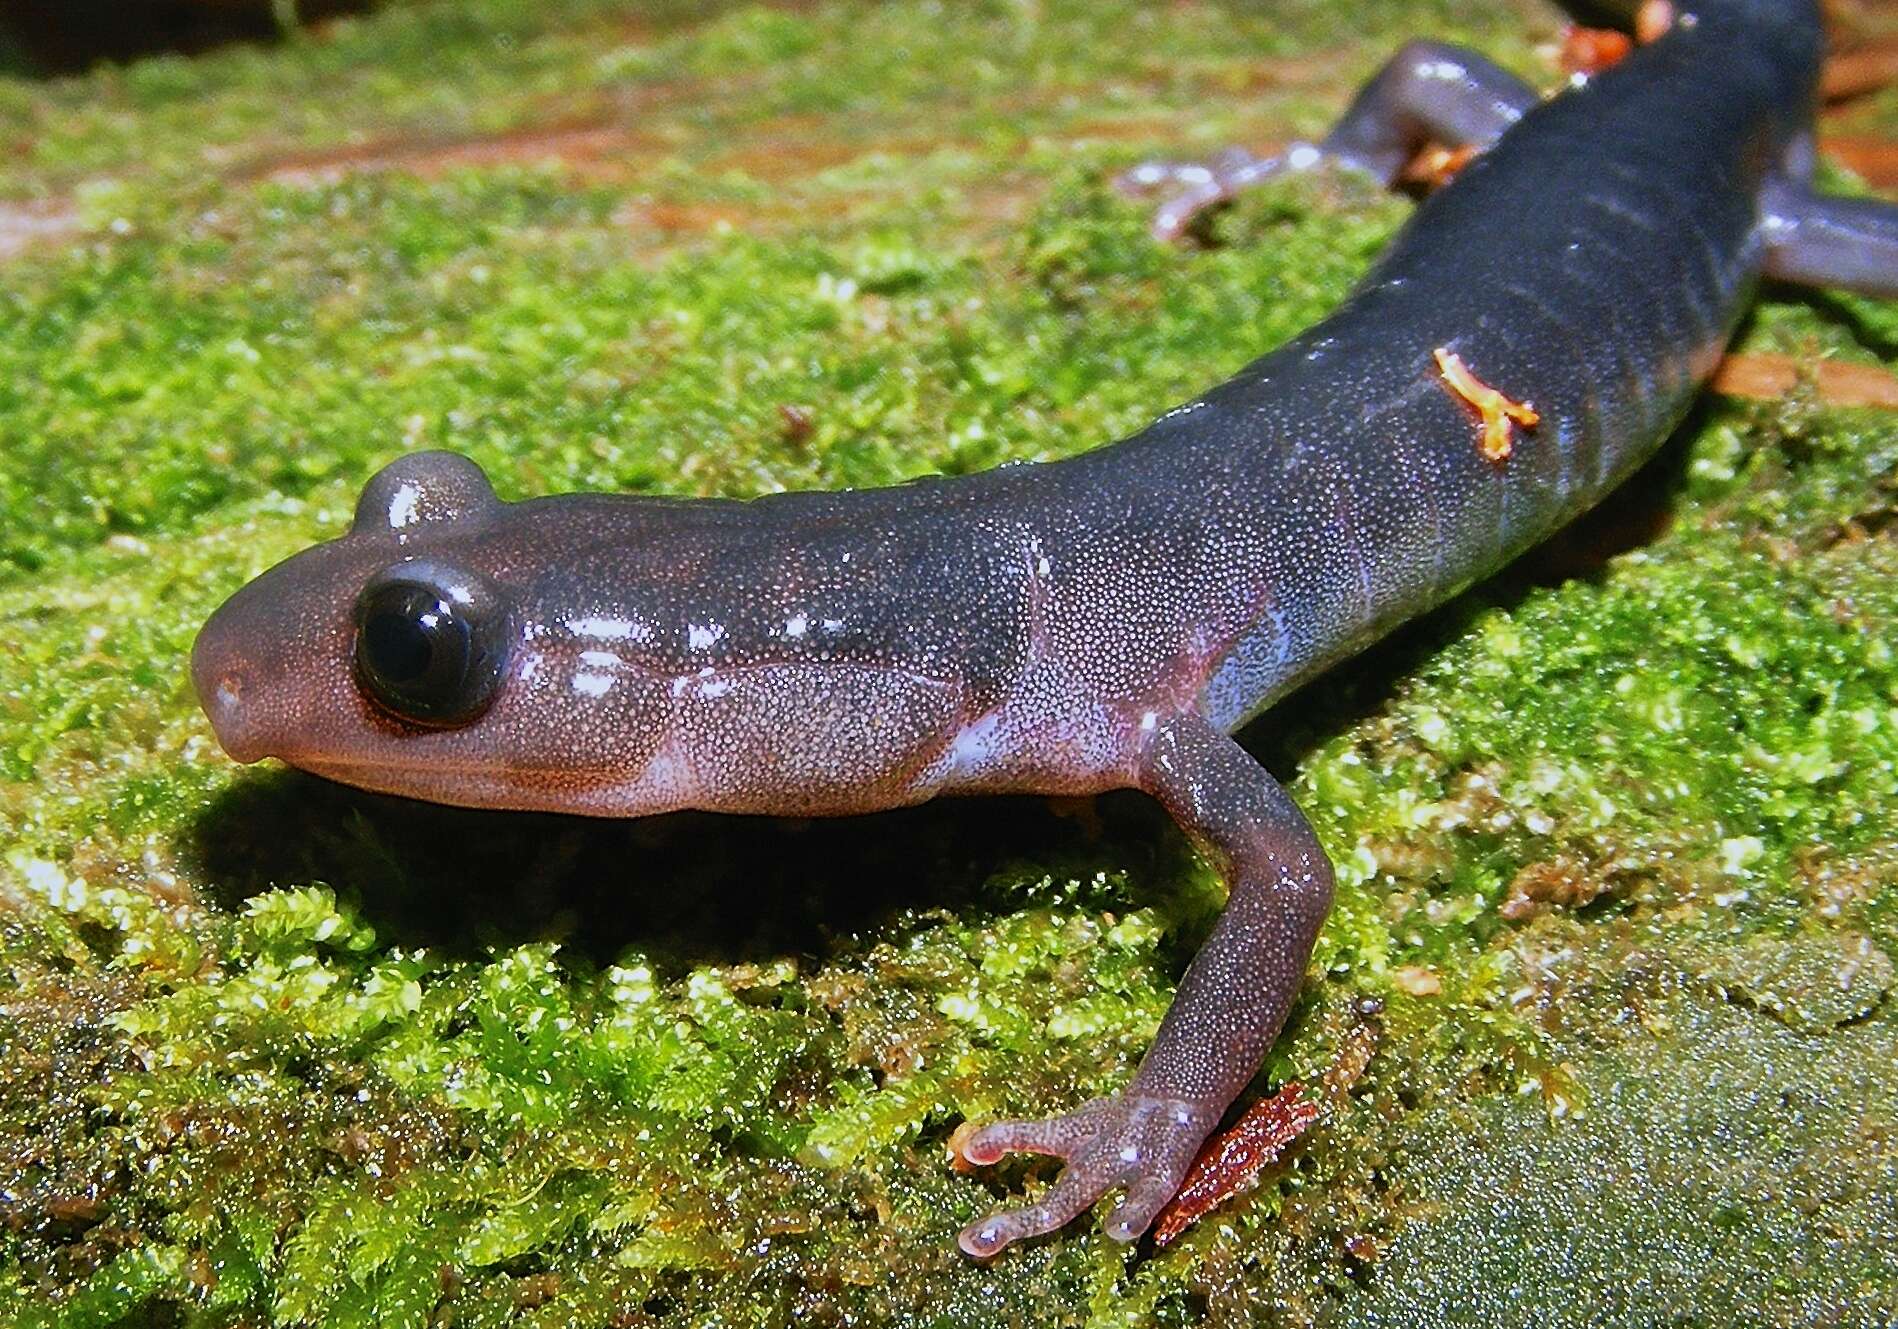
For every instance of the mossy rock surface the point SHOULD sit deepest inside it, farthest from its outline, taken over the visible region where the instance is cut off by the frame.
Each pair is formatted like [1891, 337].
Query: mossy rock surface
[1617, 831]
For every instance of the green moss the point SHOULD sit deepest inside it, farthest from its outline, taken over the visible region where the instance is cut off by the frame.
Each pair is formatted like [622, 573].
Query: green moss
[1618, 836]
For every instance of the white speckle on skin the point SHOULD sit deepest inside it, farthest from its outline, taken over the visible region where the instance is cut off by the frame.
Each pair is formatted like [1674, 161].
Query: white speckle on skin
[795, 625]
[973, 747]
[603, 628]
[703, 636]
[703, 683]
[599, 659]
[405, 509]
[1176, 412]
[592, 685]
[669, 770]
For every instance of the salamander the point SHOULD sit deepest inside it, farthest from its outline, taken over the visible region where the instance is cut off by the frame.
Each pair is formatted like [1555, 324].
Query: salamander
[1529, 337]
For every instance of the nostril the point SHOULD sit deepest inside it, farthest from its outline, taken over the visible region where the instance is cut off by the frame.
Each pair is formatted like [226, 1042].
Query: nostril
[225, 706]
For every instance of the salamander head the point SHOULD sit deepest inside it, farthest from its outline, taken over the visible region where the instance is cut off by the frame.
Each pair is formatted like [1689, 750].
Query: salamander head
[421, 642]
[407, 655]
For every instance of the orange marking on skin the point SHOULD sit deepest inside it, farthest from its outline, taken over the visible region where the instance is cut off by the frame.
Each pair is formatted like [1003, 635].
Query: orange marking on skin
[1652, 21]
[1436, 166]
[1591, 50]
[1233, 1160]
[1498, 411]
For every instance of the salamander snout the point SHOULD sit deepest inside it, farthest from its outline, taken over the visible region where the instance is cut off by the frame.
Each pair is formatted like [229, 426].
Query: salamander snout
[262, 663]
[224, 681]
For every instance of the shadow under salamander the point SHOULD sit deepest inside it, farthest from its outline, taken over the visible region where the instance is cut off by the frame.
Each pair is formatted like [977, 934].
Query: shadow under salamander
[685, 888]
[702, 888]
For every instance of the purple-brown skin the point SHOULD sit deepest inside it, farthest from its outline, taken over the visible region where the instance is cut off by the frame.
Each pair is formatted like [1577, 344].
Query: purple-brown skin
[1105, 621]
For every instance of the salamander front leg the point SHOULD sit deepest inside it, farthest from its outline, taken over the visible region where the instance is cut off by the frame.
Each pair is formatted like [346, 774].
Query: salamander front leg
[1428, 92]
[1846, 243]
[1229, 1007]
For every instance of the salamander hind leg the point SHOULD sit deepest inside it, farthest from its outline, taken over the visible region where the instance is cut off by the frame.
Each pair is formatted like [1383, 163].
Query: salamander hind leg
[1229, 1007]
[1428, 92]
[1846, 243]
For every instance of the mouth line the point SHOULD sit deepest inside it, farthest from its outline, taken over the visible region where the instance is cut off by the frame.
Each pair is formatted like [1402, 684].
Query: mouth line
[503, 789]
[507, 777]
[230, 738]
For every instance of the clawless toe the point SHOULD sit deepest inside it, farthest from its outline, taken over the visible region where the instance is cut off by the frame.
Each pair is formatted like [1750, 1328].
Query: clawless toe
[1134, 1140]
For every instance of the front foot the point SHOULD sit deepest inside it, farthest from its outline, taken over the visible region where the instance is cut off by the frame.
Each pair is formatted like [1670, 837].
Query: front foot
[1139, 1141]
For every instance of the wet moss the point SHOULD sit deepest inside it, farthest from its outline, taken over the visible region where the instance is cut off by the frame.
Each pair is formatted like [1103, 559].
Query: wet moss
[1618, 831]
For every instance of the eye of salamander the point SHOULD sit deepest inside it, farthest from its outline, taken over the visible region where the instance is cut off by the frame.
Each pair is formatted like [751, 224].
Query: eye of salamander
[431, 644]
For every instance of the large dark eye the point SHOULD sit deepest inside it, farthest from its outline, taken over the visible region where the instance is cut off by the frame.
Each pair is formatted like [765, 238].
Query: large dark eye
[431, 643]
